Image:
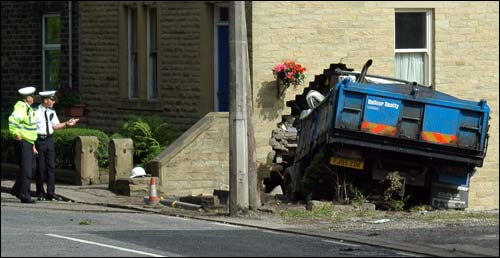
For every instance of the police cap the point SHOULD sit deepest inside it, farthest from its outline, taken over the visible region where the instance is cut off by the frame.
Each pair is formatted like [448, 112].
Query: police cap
[51, 94]
[27, 91]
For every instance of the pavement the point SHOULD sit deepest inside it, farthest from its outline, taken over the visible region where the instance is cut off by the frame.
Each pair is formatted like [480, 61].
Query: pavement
[100, 196]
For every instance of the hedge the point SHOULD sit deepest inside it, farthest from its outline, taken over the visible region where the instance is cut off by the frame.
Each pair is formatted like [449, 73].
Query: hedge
[65, 146]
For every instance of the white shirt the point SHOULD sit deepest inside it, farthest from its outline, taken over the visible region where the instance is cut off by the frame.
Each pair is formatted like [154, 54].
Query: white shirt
[40, 120]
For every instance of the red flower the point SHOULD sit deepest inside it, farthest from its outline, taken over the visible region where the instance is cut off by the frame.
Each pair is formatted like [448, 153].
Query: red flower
[289, 73]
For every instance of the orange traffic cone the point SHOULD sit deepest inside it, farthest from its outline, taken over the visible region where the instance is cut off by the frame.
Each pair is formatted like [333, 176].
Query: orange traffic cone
[153, 197]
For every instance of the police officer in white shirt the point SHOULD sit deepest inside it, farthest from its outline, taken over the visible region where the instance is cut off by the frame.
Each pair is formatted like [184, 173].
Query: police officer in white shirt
[46, 122]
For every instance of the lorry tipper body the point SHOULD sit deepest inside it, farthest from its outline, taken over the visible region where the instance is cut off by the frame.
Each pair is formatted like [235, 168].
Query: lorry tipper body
[375, 125]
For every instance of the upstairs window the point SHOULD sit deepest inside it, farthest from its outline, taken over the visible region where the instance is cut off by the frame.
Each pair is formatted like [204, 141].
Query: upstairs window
[133, 83]
[138, 53]
[51, 53]
[413, 46]
[152, 54]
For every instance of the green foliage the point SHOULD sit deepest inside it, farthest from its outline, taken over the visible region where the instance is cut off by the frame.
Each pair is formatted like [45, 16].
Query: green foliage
[395, 185]
[451, 215]
[65, 146]
[396, 205]
[64, 141]
[163, 132]
[355, 194]
[153, 152]
[323, 212]
[327, 213]
[394, 193]
[85, 222]
[8, 148]
[421, 208]
[5, 119]
[149, 134]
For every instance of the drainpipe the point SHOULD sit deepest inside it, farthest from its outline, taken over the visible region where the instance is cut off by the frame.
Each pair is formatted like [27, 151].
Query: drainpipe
[70, 50]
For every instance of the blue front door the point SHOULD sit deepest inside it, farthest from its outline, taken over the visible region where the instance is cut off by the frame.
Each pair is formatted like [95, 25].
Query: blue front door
[223, 67]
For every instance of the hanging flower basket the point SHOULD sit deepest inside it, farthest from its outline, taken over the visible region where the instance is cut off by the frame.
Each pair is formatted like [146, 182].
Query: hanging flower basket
[288, 73]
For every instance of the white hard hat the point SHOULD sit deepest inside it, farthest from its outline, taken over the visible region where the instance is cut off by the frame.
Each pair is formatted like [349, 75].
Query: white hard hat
[137, 171]
[314, 98]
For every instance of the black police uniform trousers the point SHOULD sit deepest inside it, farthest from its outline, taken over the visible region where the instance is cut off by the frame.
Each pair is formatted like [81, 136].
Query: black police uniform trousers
[46, 162]
[27, 165]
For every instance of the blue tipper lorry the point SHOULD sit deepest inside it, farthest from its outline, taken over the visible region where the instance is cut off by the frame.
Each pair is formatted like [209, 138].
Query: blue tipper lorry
[372, 126]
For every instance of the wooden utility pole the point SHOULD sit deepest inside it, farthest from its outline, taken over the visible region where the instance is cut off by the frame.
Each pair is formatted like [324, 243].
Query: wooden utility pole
[238, 142]
[253, 180]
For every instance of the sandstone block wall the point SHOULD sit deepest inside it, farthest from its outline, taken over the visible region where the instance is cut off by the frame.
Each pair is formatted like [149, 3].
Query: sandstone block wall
[179, 64]
[197, 162]
[22, 46]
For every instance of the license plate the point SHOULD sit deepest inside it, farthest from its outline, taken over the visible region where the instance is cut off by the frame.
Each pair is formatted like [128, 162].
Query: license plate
[356, 164]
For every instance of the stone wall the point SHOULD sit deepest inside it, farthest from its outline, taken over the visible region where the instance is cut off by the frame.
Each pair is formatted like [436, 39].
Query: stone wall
[316, 34]
[99, 63]
[22, 45]
[467, 67]
[179, 64]
[198, 161]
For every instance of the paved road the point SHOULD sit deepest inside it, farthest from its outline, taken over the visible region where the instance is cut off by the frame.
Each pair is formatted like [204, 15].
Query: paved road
[48, 229]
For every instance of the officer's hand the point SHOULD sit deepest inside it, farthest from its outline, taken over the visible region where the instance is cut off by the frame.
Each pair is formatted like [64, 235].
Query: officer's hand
[73, 121]
[18, 138]
[35, 150]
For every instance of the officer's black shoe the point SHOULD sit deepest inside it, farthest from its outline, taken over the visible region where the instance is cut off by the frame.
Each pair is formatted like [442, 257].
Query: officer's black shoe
[55, 198]
[40, 197]
[28, 201]
[15, 194]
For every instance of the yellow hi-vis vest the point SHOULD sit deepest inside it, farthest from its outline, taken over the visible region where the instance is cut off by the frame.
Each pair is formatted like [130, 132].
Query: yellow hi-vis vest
[22, 122]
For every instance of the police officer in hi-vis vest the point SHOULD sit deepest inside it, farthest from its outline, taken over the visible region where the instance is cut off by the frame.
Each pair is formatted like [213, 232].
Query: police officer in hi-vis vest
[22, 127]
[46, 122]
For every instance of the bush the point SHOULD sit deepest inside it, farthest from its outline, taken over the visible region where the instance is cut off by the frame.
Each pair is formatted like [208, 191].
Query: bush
[65, 146]
[150, 136]
[8, 149]
[161, 131]
[394, 193]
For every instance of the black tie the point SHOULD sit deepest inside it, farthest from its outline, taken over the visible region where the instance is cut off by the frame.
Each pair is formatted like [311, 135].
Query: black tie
[46, 123]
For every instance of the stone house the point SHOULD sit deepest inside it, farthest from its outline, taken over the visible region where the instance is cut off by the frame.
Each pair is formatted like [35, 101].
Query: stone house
[170, 58]
[40, 46]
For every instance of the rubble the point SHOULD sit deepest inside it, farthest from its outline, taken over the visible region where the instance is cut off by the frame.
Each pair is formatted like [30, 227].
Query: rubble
[284, 143]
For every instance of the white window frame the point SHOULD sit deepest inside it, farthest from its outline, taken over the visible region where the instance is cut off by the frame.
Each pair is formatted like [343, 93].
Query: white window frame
[46, 47]
[428, 51]
[216, 51]
[130, 72]
[149, 62]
